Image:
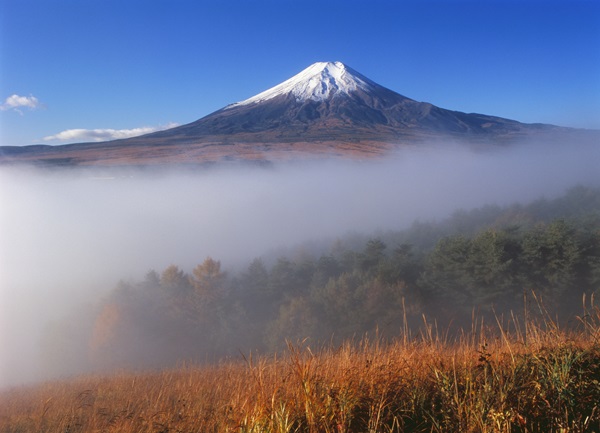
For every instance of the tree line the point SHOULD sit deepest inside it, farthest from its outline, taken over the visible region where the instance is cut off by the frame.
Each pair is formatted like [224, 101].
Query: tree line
[485, 259]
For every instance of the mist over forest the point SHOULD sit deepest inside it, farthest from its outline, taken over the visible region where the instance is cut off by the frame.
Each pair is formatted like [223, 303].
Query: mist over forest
[75, 243]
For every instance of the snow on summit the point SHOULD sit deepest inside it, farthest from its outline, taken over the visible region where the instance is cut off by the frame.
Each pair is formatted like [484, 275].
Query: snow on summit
[318, 82]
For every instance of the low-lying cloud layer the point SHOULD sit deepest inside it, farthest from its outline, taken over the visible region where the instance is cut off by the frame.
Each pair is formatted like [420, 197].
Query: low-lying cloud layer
[85, 135]
[66, 238]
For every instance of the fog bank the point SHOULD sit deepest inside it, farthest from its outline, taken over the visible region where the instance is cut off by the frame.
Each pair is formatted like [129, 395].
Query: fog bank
[67, 237]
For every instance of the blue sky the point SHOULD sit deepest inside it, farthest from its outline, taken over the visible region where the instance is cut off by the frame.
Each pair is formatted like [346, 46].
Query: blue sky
[77, 70]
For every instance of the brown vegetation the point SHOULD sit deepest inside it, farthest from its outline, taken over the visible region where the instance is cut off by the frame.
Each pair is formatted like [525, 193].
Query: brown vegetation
[519, 375]
[219, 150]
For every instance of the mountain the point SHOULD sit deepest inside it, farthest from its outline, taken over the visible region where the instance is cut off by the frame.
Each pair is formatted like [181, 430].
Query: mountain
[327, 109]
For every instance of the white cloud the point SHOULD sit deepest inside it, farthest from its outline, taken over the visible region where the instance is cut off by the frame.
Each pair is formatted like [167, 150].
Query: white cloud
[81, 135]
[16, 102]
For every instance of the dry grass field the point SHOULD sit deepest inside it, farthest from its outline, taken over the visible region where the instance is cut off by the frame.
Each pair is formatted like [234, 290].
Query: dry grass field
[517, 375]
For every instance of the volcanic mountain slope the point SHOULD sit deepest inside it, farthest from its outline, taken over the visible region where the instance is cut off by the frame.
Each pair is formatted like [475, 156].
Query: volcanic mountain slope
[327, 109]
[327, 99]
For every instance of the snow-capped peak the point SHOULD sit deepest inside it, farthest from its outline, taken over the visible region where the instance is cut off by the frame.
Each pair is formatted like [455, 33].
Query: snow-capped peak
[319, 81]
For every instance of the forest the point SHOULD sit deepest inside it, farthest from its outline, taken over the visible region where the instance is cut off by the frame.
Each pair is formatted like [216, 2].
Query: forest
[484, 261]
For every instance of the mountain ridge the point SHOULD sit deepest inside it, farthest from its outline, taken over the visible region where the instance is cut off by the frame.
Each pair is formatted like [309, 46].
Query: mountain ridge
[328, 109]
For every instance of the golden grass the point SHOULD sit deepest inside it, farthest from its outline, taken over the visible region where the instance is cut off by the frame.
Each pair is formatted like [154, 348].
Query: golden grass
[522, 376]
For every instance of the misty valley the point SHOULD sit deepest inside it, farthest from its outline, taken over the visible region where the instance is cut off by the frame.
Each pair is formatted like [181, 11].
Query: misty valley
[485, 259]
[391, 295]
[109, 268]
